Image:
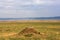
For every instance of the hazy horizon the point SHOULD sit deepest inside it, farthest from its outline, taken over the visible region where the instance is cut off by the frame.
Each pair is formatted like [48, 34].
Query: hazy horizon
[29, 8]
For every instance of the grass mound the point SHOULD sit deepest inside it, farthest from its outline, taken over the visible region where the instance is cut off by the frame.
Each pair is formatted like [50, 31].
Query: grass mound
[28, 31]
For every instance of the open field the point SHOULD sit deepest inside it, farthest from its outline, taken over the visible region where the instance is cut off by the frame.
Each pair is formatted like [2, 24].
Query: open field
[49, 30]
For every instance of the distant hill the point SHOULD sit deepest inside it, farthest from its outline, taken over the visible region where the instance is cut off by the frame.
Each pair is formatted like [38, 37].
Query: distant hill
[33, 18]
[47, 18]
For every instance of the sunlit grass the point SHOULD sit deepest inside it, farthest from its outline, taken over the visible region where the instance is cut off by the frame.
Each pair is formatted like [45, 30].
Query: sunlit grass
[49, 31]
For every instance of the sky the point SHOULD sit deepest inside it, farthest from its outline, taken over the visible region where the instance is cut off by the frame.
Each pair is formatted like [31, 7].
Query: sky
[29, 8]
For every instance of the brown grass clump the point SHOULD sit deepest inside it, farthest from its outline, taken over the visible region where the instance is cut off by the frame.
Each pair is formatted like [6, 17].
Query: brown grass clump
[28, 30]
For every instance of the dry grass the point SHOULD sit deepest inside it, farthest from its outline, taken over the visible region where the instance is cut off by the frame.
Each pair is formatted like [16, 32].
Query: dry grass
[48, 30]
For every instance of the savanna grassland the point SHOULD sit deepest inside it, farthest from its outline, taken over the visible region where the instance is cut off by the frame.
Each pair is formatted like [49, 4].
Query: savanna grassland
[49, 30]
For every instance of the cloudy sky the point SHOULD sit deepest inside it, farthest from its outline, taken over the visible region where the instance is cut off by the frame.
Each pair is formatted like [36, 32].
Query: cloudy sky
[29, 8]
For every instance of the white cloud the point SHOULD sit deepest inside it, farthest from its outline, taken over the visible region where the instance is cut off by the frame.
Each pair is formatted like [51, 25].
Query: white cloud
[37, 2]
[45, 2]
[9, 7]
[9, 0]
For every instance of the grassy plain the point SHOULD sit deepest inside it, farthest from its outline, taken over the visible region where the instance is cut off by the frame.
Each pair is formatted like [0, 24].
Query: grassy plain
[50, 30]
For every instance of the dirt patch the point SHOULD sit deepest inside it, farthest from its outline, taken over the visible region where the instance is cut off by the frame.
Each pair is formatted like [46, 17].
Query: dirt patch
[7, 34]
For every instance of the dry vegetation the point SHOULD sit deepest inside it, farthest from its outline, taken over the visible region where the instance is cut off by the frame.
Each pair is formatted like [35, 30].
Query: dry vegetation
[30, 30]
